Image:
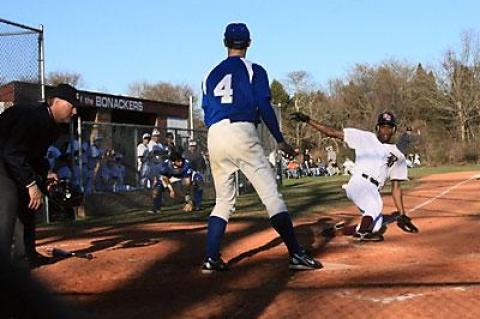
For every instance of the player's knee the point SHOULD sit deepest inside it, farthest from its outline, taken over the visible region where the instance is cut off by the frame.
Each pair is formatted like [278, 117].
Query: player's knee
[275, 206]
[223, 210]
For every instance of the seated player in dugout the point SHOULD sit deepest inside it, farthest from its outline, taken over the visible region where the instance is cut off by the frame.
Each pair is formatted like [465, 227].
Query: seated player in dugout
[376, 160]
[173, 170]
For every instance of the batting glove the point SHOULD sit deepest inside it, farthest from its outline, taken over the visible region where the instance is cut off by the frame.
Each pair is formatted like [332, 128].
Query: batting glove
[299, 117]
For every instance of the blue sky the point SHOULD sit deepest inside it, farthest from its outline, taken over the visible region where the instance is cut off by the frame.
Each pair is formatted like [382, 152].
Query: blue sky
[115, 43]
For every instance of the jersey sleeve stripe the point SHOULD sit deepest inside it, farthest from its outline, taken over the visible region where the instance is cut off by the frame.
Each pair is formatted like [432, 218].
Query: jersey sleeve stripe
[249, 67]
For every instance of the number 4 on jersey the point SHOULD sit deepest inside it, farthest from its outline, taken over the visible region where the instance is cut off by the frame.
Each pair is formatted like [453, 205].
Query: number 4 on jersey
[224, 89]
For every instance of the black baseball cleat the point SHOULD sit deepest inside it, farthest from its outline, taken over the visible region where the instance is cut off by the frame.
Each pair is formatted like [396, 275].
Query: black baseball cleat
[368, 236]
[303, 261]
[211, 265]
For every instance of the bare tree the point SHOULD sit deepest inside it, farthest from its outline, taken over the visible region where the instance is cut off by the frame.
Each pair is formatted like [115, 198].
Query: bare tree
[58, 77]
[161, 91]
[459, 79]
[299, 81]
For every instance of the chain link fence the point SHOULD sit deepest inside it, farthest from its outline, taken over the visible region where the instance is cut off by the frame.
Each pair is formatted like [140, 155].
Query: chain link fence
[120, 142]
[21, 56]
[104, 161]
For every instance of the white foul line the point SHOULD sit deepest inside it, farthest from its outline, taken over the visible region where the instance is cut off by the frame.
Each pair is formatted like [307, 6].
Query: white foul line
[442, 193]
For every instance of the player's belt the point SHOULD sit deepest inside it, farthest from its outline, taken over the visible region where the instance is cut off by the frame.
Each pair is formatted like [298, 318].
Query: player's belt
[371, 179]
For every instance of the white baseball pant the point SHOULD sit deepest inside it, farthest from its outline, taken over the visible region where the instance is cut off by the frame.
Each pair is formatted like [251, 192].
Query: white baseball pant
[366, 196]
[236, 146]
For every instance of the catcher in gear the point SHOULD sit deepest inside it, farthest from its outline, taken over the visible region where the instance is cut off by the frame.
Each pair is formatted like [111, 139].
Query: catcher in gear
[376, 161]
[174, 169]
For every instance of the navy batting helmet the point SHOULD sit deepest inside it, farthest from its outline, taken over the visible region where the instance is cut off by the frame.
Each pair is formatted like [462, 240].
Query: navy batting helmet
[387, 118]
[236, 36]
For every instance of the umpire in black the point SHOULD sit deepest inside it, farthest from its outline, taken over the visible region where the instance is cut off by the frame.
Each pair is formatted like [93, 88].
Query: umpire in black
[26, 132]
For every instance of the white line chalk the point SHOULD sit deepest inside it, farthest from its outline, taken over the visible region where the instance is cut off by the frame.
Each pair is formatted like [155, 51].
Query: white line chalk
[429, 201]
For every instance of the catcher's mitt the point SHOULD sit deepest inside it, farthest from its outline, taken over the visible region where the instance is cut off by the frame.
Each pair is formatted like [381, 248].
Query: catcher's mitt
[405, 224]
[299, 117]
[64, 194]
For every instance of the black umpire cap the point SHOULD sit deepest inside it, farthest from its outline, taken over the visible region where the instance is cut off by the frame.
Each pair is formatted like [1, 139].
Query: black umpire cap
[65, 92]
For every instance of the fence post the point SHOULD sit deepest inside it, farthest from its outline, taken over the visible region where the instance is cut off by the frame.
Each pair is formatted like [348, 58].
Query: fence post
[80, 153]
[135, 164]
[190, 109]
[41, 61]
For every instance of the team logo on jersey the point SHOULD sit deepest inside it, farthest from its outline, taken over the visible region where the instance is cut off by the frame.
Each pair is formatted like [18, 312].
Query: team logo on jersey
[391, 159]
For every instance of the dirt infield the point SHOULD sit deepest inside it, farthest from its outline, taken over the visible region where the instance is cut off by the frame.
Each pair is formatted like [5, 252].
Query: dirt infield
[152, 270]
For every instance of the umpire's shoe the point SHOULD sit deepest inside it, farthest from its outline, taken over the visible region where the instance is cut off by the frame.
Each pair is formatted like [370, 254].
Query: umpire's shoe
[211, 265]
[303, 261]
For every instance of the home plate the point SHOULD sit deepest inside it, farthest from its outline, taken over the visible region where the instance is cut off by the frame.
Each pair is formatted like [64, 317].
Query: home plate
[336, 266]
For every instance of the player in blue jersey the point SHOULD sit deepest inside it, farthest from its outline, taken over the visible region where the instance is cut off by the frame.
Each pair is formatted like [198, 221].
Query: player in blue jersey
[166, 173]
[236, 95]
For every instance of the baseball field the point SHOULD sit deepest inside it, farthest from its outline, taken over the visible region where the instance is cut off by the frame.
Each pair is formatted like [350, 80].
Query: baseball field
[147, 266]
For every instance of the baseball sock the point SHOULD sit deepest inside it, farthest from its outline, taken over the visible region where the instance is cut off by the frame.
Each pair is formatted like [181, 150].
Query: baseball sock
[216, 229]
[157, 201]
[366, 225]
[197, 197]
[282, 223]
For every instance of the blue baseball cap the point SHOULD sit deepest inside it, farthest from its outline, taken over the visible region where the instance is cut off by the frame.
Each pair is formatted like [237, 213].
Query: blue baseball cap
[237, 36]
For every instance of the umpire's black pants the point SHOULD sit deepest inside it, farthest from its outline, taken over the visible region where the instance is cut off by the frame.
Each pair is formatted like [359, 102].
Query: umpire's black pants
[8, 212]
[13, 205]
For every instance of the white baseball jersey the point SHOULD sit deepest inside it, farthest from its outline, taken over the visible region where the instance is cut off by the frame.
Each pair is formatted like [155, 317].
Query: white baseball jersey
[141, 149]
[374, 158]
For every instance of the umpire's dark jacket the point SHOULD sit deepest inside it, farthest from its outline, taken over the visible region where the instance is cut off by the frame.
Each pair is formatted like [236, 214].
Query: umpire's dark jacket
[26, 132]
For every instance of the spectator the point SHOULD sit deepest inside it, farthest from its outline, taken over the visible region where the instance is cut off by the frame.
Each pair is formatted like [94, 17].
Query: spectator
[142, 151]
[154, 142]
[332, 168]
[118, 173]
[170, 144]
[331, 154]
[293, 169]
[306, 163]
[416, 160]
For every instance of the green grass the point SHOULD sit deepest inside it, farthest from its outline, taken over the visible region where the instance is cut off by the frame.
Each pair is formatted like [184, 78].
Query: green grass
[303, 196]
